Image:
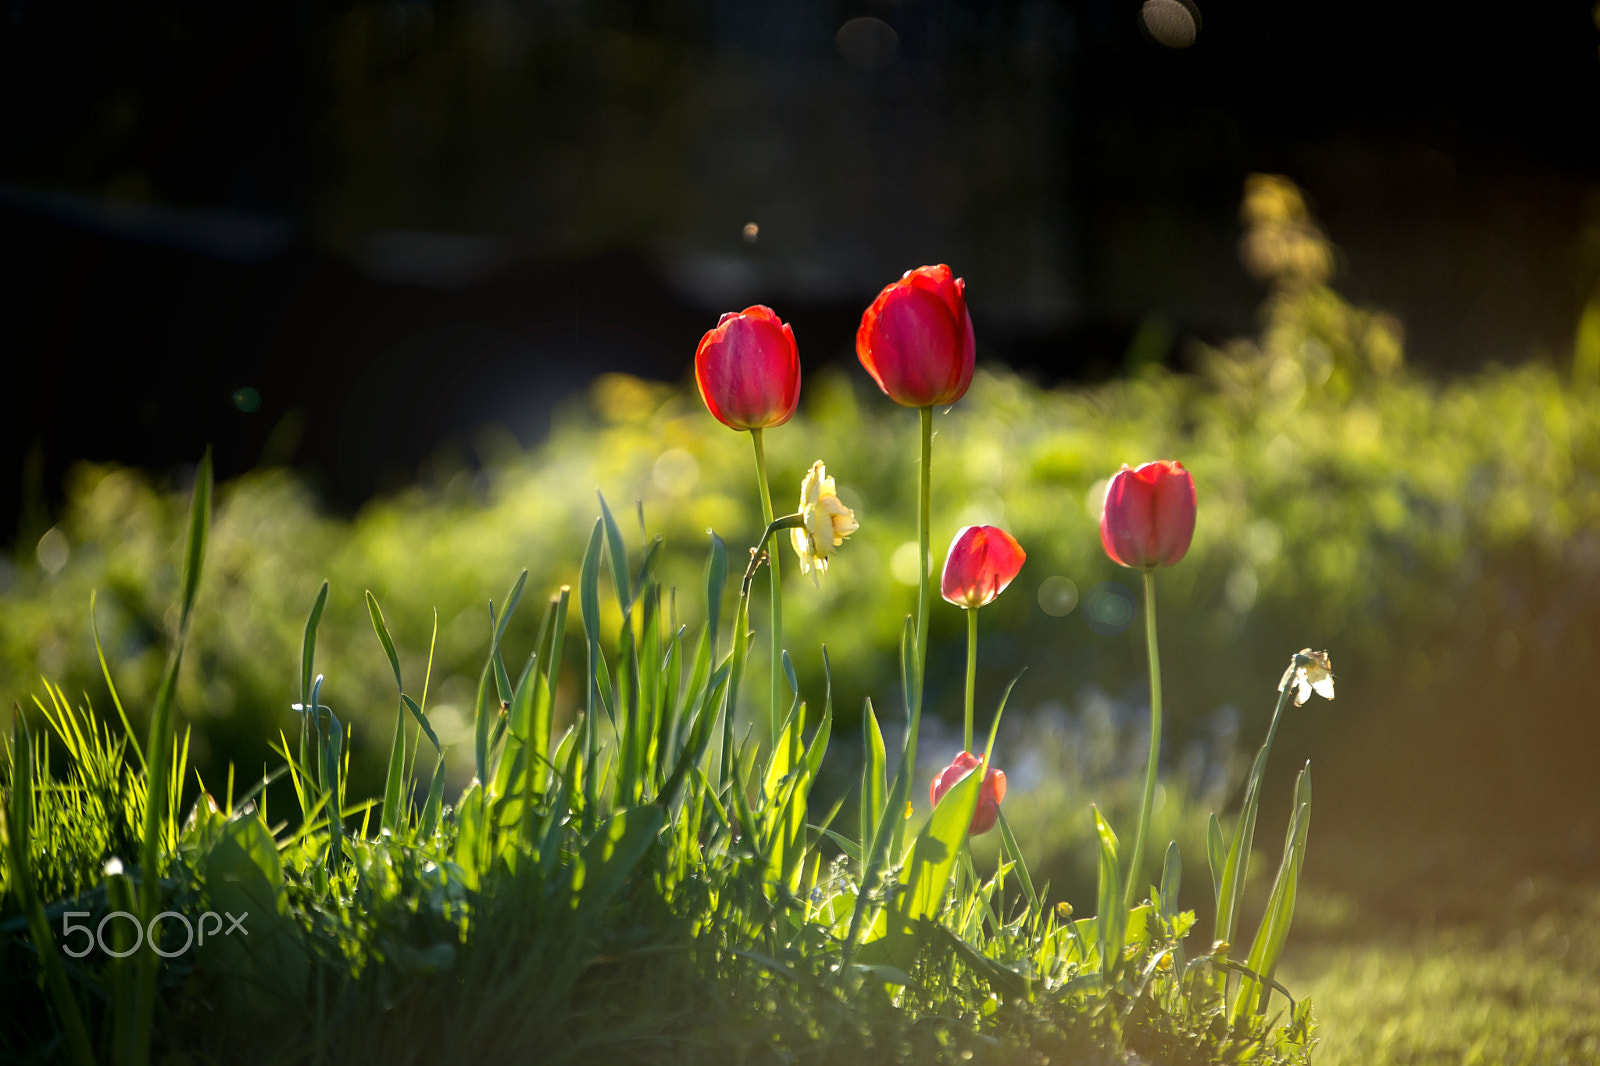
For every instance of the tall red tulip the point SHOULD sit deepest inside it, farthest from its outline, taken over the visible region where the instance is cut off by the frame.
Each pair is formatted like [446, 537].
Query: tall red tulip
[916, 339]
[990, 793]
[748, 369]
[981, 563]
[1148, 518]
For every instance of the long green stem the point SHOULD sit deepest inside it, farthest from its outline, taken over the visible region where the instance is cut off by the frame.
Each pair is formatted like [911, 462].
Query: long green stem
[775, 689]
[924, 493]
[1137, 855]
[972, 675]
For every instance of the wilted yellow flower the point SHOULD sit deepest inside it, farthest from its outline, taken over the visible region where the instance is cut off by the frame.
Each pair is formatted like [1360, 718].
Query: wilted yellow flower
[826, 522]
[1309, 671]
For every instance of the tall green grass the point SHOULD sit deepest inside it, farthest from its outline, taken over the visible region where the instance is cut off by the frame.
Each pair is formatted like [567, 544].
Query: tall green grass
[647, 883]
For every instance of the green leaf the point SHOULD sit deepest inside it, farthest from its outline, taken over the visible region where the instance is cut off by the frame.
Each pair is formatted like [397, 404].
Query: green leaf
[938, 844]
[1216, 856]
[376, 614]
[716, 582]
[308, 644]
[1014, 853]
[1171, 878]
[618, 554]
[195, 550]
[422, 721]
[243, 876]
[1273, 933]
[435, 801]
[394, 782]
[874, 778]
[589, 583]
[618, 846]
[1113, 916]
[1236, 867]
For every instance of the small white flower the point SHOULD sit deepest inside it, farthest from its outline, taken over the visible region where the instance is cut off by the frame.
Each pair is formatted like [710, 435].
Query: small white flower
[826, 522]
[1309, 671]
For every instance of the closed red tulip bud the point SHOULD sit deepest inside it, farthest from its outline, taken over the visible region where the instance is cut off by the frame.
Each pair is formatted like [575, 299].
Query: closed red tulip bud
[981, 563]
[916, 339]
[748, 369]
[1148, 518]
[990, 793]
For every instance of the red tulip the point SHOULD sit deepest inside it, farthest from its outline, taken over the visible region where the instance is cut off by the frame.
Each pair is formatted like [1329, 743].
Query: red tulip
[981, 563]
[916, 338]
[748, 369]
[1148, 519]
[990, 793]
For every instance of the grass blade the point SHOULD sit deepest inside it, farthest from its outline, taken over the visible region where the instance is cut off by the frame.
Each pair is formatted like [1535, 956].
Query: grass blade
[19, 822]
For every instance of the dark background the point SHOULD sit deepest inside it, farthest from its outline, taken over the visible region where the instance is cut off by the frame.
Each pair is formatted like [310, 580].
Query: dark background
[394, 221]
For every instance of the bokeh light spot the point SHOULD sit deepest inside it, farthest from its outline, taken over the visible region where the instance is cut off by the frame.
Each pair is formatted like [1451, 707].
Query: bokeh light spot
[750, 232]
[247, 399]
[1094, 501]
[676, 472]
[53, 550]
[867, 43]
[905, 562]
[1173, 23]
[1108, 608]
[1057, 596]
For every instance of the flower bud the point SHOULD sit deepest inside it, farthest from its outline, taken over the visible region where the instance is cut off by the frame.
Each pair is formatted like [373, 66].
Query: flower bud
[916, 339]
[748, 369]
[990, 793]
[1148, 519]
[981, 562]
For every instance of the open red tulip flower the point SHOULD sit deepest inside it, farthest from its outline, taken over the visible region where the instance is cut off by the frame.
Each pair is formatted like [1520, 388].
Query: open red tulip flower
[916, 339]
[1148, 518]
[990, 793]
[981, 563]
[748, 369]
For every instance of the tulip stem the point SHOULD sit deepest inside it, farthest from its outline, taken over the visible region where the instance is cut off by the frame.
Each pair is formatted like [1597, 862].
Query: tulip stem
[1137, 855]
[972, 675]
[771, 547]
[924, 493]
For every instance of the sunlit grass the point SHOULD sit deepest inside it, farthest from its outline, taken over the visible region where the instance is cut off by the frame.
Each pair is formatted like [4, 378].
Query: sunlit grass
[1522, 990]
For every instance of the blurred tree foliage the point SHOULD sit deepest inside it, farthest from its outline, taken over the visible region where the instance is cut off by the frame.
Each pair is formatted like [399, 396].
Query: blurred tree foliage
[1345, 502]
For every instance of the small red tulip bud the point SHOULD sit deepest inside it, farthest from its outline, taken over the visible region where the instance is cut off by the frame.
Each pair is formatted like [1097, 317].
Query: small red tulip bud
[990, 793]
[748, 369]
[1148, 518]
[916, 339]
[981, 563]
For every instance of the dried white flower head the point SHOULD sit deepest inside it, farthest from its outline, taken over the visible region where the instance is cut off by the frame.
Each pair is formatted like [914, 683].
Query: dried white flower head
[1309, 671]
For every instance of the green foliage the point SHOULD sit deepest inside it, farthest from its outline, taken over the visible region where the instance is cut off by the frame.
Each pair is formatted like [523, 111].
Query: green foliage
[507, 916]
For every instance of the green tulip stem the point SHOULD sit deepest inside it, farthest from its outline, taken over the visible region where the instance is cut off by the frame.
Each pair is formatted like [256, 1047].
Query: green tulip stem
[924, 494]
[972, 675]
[1137, 855]
[771, 545]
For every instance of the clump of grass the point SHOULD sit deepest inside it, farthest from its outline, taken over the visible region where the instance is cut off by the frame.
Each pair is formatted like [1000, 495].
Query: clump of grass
[645, 884]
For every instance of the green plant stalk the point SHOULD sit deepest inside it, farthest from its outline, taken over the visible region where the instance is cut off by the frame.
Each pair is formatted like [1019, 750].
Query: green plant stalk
[972, 676]
[771, 546]
[924, 495]
[741, 625]
[1137, 855]
[157, 748]
[1233, 877]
